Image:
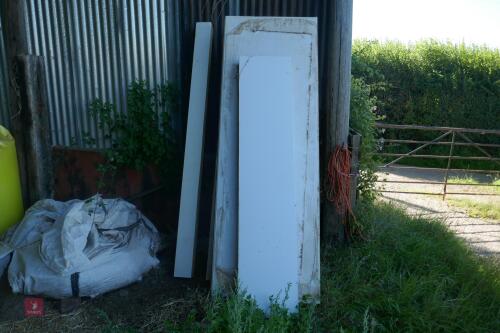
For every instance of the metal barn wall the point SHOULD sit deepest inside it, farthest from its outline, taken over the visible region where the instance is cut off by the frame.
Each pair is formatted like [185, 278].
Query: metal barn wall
[95, 48]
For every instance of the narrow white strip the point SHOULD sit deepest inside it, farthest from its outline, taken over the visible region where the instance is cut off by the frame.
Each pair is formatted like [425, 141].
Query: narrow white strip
[191, 177]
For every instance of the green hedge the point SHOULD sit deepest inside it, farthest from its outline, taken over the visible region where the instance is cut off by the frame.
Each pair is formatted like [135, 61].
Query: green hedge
[432, 83]
[435, 84]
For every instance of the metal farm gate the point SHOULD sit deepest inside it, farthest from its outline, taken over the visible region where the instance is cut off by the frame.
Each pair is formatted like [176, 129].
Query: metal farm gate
[484, 148]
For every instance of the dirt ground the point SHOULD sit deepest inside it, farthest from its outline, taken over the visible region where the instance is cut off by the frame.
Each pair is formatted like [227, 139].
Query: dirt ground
[145, 306]
[483, 235]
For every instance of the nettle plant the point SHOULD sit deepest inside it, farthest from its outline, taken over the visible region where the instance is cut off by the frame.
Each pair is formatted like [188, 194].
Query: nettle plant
[141, 136]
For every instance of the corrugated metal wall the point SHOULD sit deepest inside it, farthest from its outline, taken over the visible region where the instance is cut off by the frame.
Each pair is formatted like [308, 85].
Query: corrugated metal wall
[95, 48]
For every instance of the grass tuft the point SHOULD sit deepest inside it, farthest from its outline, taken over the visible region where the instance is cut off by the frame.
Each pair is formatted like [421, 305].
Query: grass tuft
[476, 207]
[473, 181]
[239, 313]
[485, 210]
[462, 180]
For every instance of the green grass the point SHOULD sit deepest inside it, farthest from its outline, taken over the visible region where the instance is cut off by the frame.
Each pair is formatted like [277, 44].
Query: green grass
[475, 208]
[408, 275]
[485, 210]
[472, 181]
[239, 313]
[462, 180]
[411, 275]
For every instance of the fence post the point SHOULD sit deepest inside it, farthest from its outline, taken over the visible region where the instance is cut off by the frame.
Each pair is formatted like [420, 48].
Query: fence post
[449, 164]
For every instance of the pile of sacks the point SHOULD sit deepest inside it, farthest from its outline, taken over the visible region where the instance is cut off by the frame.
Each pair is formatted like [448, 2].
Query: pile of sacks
[78, 248]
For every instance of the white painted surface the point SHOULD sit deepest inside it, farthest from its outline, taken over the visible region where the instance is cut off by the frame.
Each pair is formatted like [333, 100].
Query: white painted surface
[269, 36]
[268, 244]
[191, 177]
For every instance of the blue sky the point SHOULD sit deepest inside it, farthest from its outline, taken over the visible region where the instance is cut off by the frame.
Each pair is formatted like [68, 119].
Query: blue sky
[469, 21]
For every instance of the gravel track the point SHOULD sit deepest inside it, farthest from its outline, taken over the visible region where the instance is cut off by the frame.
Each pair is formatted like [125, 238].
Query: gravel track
[483, 235]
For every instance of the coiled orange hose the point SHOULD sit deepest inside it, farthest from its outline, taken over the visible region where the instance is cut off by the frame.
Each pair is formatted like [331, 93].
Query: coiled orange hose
[338, 185]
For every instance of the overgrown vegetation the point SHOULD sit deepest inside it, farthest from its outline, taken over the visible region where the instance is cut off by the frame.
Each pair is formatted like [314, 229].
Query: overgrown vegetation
[362, 120]
[144, 134]
[239, 313]
[412, 275]
[435, 84]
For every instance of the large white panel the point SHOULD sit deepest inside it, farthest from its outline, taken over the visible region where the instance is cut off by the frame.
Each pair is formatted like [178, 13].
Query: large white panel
[268, 244]
[191, 177]
[269, 36]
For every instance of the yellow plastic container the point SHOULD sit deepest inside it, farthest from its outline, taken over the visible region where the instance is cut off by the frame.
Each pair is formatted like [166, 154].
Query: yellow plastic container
[11, 201]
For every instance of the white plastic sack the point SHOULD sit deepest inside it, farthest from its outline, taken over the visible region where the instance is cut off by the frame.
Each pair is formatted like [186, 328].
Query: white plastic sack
[38, 219]
[83, 247]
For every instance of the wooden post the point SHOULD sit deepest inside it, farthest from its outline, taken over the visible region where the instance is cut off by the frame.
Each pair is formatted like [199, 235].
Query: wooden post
[13, 24]
[34, 118]
[28, 105]
[338, 100]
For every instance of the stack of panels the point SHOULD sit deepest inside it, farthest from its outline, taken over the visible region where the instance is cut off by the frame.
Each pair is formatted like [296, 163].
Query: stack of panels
[266, 210]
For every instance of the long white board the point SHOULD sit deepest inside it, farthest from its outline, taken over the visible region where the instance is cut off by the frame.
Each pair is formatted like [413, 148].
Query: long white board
[191, 176]
[269, 36]
[268, 244]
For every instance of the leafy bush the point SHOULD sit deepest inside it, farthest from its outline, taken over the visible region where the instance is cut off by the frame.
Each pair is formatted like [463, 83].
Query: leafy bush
[141, 136]
[362, 120]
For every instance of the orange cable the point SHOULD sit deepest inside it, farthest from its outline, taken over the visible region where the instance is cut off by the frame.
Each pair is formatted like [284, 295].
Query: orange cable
[338, 180]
